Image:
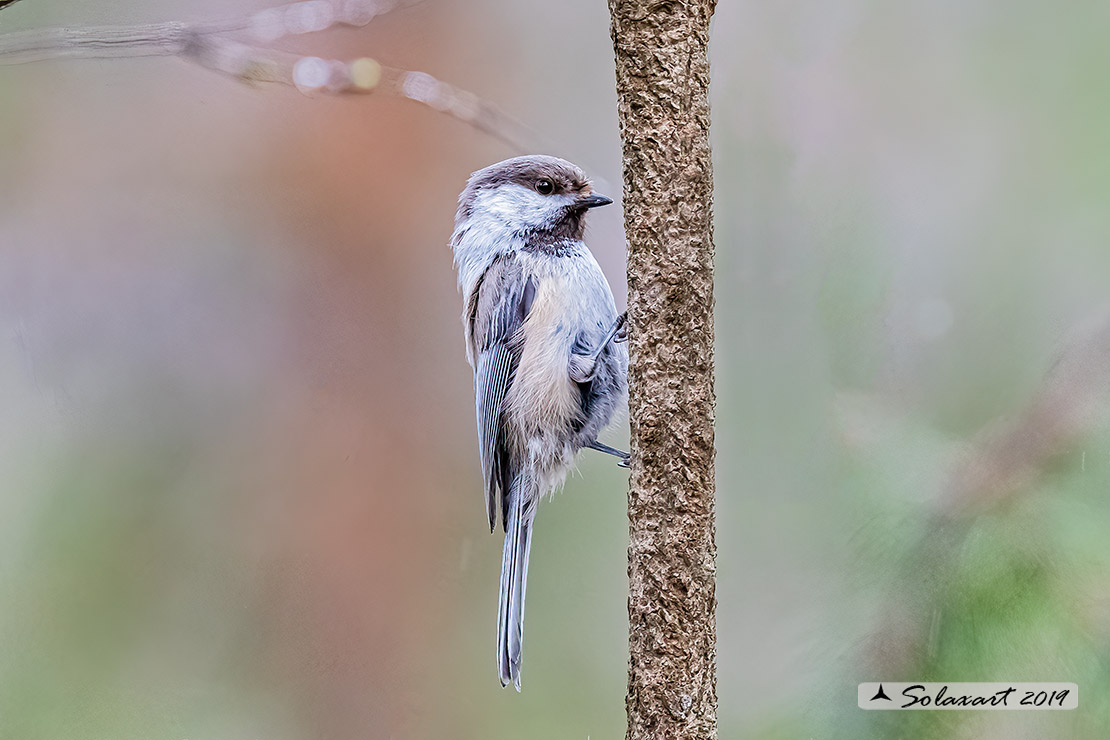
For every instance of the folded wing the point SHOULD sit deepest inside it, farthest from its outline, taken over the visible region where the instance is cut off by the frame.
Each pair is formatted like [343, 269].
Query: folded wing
[496, 309]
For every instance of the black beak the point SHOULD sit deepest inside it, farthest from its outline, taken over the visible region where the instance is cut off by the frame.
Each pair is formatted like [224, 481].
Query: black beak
[592, 201]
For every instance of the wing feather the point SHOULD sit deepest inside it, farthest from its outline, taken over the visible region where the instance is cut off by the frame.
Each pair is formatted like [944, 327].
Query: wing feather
[498, 306]
[491, 383]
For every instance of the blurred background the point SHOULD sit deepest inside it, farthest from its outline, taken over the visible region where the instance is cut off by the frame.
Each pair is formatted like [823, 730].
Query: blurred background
[239, 488]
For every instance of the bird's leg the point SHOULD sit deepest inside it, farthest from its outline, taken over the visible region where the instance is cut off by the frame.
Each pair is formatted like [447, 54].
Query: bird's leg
[582, 367]
[617, 333]
[624, 456]
[622, 331]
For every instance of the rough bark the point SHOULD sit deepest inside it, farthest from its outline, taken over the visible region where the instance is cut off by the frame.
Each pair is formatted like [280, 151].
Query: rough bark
[662, 89]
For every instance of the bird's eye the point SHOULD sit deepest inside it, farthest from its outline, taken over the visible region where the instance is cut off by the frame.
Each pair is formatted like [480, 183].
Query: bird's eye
[545, 187]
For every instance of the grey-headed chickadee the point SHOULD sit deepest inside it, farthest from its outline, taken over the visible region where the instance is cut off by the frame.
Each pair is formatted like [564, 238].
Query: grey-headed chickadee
[545, 342]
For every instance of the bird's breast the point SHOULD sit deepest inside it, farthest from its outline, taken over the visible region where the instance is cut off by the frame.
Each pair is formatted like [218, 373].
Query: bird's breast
[542, 396]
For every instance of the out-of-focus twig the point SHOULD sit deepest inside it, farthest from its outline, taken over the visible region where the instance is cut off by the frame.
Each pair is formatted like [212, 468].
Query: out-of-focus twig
[1003, 460]
[1073, 398]
[242, 48]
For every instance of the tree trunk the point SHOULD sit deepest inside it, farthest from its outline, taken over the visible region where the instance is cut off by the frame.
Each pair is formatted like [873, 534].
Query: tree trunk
[663, 98]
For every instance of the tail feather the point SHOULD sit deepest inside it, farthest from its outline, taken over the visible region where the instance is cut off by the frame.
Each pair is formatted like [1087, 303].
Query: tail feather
[514, 579]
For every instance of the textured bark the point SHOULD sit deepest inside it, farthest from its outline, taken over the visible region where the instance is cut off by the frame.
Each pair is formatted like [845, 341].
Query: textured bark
[663, 98]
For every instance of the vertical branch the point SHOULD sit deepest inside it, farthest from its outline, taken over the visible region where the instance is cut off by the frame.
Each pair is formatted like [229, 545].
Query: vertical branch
[663, 100]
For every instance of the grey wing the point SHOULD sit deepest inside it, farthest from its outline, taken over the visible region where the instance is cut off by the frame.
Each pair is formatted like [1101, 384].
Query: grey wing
[498, 306]
[491, 381]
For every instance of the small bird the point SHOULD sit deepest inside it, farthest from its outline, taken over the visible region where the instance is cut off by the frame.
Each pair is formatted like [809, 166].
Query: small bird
[547, 348]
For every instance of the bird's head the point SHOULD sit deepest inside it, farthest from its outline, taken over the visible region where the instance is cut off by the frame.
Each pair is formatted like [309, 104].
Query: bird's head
[541, 198]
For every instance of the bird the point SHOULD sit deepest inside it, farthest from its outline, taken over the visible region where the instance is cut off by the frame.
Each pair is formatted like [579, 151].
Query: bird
[547, 347]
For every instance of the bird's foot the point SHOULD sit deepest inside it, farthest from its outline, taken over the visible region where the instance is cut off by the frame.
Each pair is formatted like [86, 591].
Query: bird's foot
[621, 335]
[624, 456]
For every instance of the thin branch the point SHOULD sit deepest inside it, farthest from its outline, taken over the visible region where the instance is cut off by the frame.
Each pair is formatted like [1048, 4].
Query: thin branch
[220, 47]
[96, 42]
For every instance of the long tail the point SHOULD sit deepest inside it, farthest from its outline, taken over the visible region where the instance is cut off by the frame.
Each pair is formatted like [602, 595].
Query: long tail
[514, 578]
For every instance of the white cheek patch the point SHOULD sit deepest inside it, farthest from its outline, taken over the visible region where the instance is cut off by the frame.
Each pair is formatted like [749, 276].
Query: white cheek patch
[521, 208]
